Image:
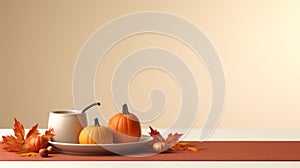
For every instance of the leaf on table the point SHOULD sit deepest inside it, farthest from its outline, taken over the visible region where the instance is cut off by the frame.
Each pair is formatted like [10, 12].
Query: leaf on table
[48, 134]
[153, 131]
[12, 143]
[184, 146]
[15, 143]
[34, 154]
[173, 138]
[172, 141]
[156, 135]
[19, 131]
[19, 143]
[193, 149]
[33, 132]
[4, 140]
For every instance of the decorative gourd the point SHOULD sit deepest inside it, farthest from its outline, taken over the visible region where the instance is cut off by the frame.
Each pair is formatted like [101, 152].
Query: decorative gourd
[125, 127]
[37, 143]
[160, 146]
[95, 134]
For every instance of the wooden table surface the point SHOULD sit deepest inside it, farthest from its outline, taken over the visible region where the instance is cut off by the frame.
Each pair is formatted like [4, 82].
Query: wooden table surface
[210, 151]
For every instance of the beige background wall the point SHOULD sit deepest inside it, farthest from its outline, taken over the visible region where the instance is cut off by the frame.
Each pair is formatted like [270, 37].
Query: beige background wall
[257, 41]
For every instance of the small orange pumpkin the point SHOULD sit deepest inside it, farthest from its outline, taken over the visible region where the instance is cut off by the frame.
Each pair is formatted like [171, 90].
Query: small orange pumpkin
[125, 127]
[37, 143]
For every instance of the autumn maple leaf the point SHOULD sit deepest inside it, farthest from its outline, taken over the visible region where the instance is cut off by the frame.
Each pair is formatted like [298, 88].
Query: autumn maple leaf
[153, 131]
[33, 132]
[19, 131]
[12, 143]
[15, 143]
[48, 134]
[172, 141]
[173, 138]
[19, 143]
[156, 135]
[185, 146]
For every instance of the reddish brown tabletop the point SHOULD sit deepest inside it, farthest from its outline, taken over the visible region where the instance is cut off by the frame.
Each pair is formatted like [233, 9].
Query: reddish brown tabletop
[211, 151]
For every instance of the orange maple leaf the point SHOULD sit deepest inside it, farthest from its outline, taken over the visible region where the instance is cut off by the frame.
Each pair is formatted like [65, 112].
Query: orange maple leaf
[29, 154]
[48, 134]
[33, 132]
[19, 143]
[171, 139]
[184, 146]
[12, 143]
[15, 143]
[156, 135]
[19, 131]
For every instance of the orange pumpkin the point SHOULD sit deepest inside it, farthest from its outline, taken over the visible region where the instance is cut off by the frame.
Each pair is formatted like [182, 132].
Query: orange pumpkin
[37, 143]
[125, 127]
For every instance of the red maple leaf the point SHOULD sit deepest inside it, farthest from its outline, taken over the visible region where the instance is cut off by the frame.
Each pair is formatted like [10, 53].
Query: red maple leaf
[156, 135]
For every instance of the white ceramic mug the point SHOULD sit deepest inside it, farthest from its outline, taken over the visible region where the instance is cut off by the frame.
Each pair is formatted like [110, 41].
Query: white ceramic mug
[67, 125]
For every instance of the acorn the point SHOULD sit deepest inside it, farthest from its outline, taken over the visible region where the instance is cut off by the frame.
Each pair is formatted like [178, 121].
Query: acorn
[43, 152]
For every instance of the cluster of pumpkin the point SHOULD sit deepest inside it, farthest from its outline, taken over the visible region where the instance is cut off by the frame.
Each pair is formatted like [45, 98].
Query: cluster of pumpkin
[122, 128]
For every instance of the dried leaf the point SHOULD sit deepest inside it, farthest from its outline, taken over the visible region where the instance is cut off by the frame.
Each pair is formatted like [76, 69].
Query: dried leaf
[193, 149]
[34, 154]
[48, 134]
[156, 135]
[33, 132]
[19, 131]
[15, 143]
[12, 144]
[4, 140]
[172, 141]
[19, 143]
[184, 146]
[153, 131]
[173, 138]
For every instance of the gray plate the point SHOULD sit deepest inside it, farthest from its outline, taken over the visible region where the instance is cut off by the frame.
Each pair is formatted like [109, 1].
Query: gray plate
[102, 149]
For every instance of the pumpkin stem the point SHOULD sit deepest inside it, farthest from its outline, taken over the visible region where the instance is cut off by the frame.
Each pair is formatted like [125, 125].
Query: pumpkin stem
[96, 122]
[125, 109]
